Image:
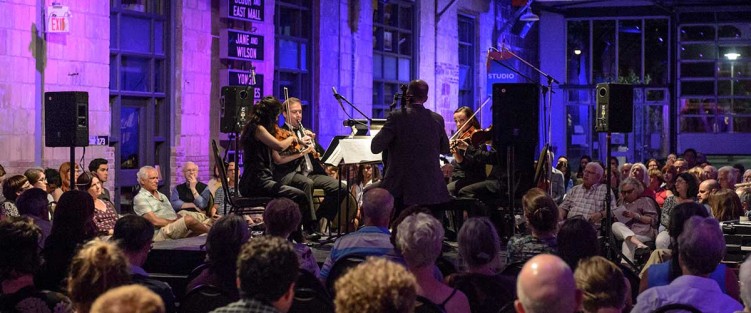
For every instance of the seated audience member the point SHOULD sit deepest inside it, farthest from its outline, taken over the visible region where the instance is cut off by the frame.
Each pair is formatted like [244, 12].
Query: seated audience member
[420, 238]
[12, 188]
[541, 214]
[653, 164]
[706, 189]
[2, 179]
[625, 169]
[223, 245]
[133, 234]
[192, 195]
[372, 238]
[367, 174]
[726, 205]
[105, 215]
[546, 284]
[53, 183]
[100, 168]
[266, 274]
[37, 179]
[746, 201]
[745, 278]
[72, 226]
[726, 177]
[598, 278]
[641, 214]
[661, 274]
[701, 247]
[155, 207]
[680, 165]
[19, 260]
[282, 217]
[215, 182]
[587, 199]
[130, 298]
[656, 181]
[487, 290]
[33, 204]
[220, 195]
[376, 286]
[98, 267]
[64, 171]
[686, 189]
[639, 171]
[710, 171]
[577, 240]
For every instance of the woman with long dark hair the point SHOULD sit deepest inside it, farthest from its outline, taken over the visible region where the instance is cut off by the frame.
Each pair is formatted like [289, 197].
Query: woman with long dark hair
[258, 142]
[466, 170]
[685, 189]
[105, 215]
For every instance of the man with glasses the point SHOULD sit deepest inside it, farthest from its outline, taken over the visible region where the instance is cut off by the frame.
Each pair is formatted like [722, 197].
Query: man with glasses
[588, 199]
[102, 171]
[192, 195]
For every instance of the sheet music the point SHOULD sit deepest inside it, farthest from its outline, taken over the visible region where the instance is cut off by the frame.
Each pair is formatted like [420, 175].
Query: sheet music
[352, 151]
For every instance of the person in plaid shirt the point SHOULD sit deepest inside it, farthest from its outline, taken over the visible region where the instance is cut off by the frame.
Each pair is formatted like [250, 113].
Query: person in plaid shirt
[588, 199]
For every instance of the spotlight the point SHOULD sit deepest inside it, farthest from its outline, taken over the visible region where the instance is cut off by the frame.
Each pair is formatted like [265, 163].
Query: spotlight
[577, 51]
[528, 16]
[732, 56]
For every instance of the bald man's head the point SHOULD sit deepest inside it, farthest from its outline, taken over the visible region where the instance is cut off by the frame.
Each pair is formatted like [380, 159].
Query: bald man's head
[418, 89]
[377, 206]
[546, 284]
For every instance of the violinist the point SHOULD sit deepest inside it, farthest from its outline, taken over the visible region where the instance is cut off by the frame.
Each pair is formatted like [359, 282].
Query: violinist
[306, 173]
[260, 141]
[414, 137]
[488, 189]
[466, 171]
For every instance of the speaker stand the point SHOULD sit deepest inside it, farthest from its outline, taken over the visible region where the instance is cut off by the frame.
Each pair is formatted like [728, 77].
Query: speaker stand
[72, 170]
[611, 248]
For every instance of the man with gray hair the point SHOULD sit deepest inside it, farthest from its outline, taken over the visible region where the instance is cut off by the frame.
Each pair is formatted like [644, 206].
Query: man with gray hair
[588, 199]
[546, 284]
[371, 239]
[701, 247]
[155, 207]
[192, 195]
[726, 177]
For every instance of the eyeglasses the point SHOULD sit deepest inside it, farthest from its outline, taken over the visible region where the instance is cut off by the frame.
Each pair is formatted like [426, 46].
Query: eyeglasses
[625, 192]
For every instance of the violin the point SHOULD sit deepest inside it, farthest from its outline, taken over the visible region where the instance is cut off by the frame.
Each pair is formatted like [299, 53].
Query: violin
[482, 136]
[465, 136]
[281, 135]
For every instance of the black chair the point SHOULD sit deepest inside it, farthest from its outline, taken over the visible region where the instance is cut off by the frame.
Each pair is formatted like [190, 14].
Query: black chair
[424, 305]
[486, 294]
[676, 307]
[196, 271]
[340, 267]
[203, 299]
[513, 269]
[238, 205]
[310, 295]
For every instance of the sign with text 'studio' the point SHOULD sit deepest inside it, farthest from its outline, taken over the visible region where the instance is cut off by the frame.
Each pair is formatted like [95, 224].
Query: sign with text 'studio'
[246, 10]
[239, 45]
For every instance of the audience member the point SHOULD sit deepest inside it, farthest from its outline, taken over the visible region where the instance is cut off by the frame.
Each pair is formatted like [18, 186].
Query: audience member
[706, 189]
[587, 199]
[563, 166]
[215, 182]
[133, 234]
[155, 207]
[420, 238]
[637, 222]
[65, 176]
[583, 161]
[639, 171]
[267, 269]
[367, 174]
[19, 260]
[96, 268]
[663, 273]
[72, 226]
[701, 248]
[738, 173]
[546, 284]
[220, 202]
[597, 278]
[746, 200]
[33, 204]
[668, 174]
[671, 158]
[12, 188]
[680, 165]
[371, 239]
[53, 183]
[577, 240]
[486, 289]
[36, 178]
[710, 171]
[625, 169]
[726, 205]
[223, 245]
[376, 286]
[541, 214]
[747, 176]
[653, 164]
[282, 217]
[130, 298]
[656, 181]
[726, 177]
[689, 155]
[686, 189]
[100, 168]
[105, 214]
[2, 179]
[192, 195]
[745, 279]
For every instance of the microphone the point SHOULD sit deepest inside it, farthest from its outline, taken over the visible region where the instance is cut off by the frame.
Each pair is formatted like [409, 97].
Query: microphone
[337, 96]
[252, 75]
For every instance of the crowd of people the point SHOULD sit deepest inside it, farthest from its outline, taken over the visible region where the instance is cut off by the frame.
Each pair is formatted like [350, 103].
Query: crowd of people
[66, 247]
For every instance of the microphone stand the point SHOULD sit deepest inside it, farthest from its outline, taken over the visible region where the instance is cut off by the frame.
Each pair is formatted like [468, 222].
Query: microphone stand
[339, 99]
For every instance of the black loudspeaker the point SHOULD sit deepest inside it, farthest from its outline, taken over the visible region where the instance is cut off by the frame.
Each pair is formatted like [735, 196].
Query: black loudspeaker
[66, 119]
[615, 108]
[237, 102]
[516, 111]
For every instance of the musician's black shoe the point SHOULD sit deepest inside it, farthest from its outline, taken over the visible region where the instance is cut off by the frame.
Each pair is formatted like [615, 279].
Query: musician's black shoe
[312, 236]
